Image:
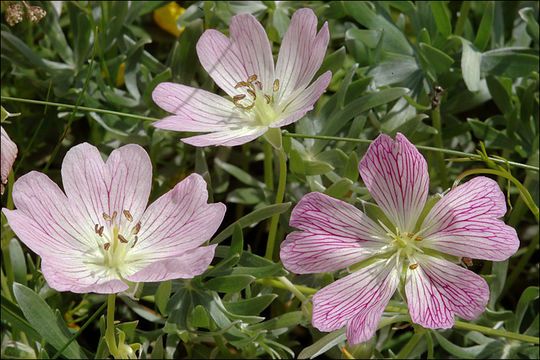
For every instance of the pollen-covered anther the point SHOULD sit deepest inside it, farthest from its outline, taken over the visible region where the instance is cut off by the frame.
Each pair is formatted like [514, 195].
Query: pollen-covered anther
[276, 85]
[252, 93]
[413, 266]
[240, 84]
[96, 228]
[122, 239]
[136, 239]
[107, 246]
[136, 229]
[113, 216]
[252, 78]
[267, 98]
[239, 97]
[128, 216]
[259, 84]
[107, 217]
[100, 231]
[418, 238]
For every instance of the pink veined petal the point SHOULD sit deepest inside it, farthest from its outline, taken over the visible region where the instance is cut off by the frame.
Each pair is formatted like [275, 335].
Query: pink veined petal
[305, 100]
[301, 54]
[185, 266]
[69, 274]
[130, 181]
[196, 109]
[464, 223]
[44, 219]
[179, 220]
[226, 138]
[336, 235]
[357, 300]
[222, 60]
[254, 48]
[9, 153]
[437, 289]
[396, 175]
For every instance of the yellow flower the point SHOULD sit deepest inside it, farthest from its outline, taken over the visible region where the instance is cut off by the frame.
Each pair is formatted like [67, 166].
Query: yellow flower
[120, 76]
[166, 17]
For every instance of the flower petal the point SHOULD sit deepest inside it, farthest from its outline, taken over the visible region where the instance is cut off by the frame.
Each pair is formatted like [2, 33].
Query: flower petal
[227, 138]
[69, 274]
[464, 223]
[8, 155]
[196, 109]
[396, 175]
[305, 100]
[437, 289]
[222, 60]
[301, 54]
[357, 300]
[179, 220]
[336, 235]
[254, 48]
[44, 219]
[186, 266]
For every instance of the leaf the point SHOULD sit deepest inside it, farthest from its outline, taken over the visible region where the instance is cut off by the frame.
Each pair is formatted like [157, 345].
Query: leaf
[436, 58]
[471, 60]
[339, 189]
[229, 283]
[246, 196]
[238, 173]
[442, 18]
[499, 94]
[253, 306]
[484, 29]
[509, 62]
[529, 294]
[237, 241]
[323, 344]
[250, 219]
[162, 296]
[157, 349]
[40, 315]
[332, 62]
[12, 314]
[461, 352]
[17, 261]
[351, 169]
[281, 321]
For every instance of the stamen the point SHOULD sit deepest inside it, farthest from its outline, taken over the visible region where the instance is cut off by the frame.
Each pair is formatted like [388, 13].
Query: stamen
[252, 93]
[100, 231]
[136, 229]
[239, 97]
[417, 238]
[107, 217]
[276, 85]
[259, 84]
[136, 239]
[413, 266]
[240, 84]
[96, 228]
[267, 98]
[128, 215]
[114, 216]
[107, 246]
[122, 239]
[252, 78]
[467, 261]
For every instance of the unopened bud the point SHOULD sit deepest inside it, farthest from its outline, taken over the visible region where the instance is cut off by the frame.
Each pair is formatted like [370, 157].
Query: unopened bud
[14, 14]
[35, 13]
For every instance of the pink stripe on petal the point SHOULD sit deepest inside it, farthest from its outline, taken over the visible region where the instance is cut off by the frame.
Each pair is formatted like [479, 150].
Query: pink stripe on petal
[464, 223]
[336, 235]
[226, 138]
[254, 48]
[437, 289]
[301, 53]
[9, 153]
[179, 220]
[396, 175]
[196, 109]
[357, 300]
[222, 60]
[303, 103]
[185, 266]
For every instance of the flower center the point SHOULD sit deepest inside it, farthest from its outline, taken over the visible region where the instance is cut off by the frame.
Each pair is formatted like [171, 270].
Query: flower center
[404, 244]
[255, 100]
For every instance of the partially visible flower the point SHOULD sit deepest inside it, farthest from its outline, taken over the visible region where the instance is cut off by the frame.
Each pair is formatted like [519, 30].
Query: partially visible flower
[261, 98]
[14, 14]
[335, 234]
[166, 16]
[9, 153]
[98, 235]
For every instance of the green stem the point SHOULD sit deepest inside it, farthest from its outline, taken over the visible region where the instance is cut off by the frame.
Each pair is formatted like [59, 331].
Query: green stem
[59, 352]
[280, 285]
[279, 199]
[292, 288]
[110, 333]
[268, 168]
[443, 176]
[463, 12]
[526, 196]
[406, 350]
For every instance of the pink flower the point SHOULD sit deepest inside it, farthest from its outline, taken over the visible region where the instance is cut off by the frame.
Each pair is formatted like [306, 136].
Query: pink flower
[261, 97]
[9, 153]
[99, 234]
[463, 223]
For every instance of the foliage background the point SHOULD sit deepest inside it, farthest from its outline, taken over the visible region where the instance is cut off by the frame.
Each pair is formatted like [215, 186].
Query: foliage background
[386, 57]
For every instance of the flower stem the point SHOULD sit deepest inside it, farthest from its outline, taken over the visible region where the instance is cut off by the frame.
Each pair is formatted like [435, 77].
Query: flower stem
[109, 333]
[406, 350]
[279, 199]
[443, 176]
[268, 168]
[292, 288]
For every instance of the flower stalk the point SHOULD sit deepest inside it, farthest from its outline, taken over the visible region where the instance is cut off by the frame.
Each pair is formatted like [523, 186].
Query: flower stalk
[279, 199]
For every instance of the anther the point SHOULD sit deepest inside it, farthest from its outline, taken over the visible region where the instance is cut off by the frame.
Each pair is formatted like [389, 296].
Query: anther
[467, 261]
[252, 78]
[136, 228]
[100, 231]
[267, 98]
[239, 97]
[252, 93]
[128, 215]
[240, 84]
[107, 217]
[276, 85]
[413, 266]
[259, 84]
[114, 216]
[418, 238]
[136, 239]
[96, 228]
[122, 239]
[107, 246]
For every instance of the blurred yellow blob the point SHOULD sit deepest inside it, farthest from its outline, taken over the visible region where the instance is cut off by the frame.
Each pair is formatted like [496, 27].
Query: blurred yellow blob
[166, 16]
[119, 76]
